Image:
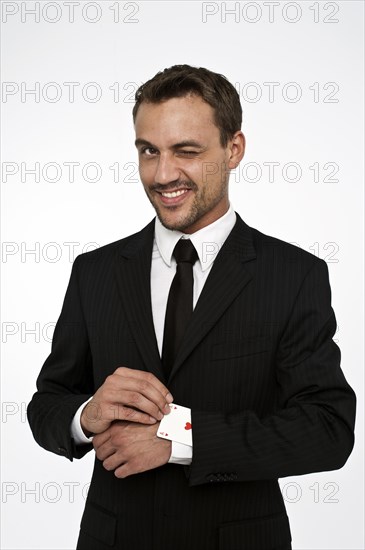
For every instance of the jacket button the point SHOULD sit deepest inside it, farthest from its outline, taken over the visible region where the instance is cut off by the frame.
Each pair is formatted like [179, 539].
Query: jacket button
[211, 477]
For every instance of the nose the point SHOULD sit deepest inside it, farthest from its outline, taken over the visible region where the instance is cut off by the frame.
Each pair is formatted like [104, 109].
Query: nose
[167, 170]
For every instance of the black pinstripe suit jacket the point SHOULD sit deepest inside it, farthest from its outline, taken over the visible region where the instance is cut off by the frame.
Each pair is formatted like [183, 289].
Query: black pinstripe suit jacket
[258, 367]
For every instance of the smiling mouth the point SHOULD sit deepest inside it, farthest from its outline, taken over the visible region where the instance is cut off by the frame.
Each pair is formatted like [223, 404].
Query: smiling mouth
[172, 194]
[175, 197]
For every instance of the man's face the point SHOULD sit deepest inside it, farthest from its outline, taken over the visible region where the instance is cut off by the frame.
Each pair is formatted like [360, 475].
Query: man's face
[182, 165]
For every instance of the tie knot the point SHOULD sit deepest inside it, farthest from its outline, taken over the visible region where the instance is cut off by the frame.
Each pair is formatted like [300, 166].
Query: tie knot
[184, 251]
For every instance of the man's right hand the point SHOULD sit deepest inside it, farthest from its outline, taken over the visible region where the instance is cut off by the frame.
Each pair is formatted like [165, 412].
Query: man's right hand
[127, 394]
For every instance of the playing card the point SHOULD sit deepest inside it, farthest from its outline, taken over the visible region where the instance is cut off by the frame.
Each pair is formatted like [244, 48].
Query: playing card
[176, 425]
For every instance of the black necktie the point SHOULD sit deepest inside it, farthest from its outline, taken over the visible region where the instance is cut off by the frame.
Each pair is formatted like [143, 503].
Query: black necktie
[180, 302]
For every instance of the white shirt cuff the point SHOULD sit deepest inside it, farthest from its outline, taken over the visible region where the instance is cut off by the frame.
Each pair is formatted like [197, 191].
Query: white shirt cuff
[181, 454]
[76, 430]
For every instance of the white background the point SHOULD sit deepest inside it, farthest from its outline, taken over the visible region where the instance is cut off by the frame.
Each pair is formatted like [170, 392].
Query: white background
[301, 122]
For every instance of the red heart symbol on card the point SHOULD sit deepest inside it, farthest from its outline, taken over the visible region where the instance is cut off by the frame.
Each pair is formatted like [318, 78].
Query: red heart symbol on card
[188, 426]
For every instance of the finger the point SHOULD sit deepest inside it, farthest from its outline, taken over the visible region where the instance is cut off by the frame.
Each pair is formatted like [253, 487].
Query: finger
[136, 393]
[114, 461]
[129, 467]
[123, 471]
[148, 377]
[140, 394]
[101, 438]
[142, 387]
[130, 414]
[105, 451]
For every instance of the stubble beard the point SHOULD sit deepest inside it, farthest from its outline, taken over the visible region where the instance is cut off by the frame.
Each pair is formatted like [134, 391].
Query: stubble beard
[200, 206]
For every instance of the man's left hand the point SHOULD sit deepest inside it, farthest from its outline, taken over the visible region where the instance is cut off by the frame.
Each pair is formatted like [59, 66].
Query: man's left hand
[130, 448]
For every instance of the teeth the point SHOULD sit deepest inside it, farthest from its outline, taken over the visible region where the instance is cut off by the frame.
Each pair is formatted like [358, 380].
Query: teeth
[174, 193]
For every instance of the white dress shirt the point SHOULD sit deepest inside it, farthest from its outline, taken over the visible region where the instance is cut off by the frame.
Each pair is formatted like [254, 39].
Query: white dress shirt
[207, 242]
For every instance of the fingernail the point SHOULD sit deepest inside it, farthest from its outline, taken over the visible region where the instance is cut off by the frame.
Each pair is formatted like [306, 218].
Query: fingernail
[169, 398]
[152, 420]
[160, 415]
[167, 409]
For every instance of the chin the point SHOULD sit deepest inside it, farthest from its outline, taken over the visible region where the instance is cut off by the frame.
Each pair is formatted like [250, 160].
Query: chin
[177, 225]
[174, 221]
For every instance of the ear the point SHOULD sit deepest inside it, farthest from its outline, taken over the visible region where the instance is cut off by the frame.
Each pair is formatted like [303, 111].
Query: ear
[236, 146]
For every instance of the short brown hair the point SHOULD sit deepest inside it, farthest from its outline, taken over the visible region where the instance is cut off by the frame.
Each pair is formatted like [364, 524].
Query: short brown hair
[213, 88]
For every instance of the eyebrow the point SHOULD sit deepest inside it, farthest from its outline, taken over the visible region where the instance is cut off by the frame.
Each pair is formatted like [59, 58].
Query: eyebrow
[185, 143]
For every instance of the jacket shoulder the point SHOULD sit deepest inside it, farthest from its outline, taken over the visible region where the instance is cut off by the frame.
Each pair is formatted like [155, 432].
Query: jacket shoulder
[108, 251]
[269, 247]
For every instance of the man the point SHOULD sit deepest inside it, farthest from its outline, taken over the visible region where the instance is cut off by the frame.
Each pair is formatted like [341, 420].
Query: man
[253, 362]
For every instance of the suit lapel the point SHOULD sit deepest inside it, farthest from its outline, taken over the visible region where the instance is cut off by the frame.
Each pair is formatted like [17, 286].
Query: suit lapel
[133, 274]
[226, 280]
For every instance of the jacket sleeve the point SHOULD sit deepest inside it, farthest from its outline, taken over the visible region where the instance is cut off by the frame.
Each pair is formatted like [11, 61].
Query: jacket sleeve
[65, 381]
[312, 428]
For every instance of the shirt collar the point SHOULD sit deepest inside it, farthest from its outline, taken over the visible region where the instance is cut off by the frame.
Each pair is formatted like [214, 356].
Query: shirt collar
[207, 241]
